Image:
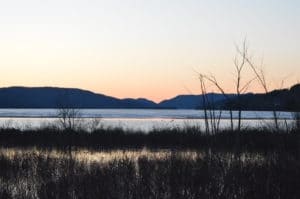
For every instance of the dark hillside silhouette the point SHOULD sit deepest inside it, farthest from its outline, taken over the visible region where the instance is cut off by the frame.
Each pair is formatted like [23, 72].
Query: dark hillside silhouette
[194, 101]
[282, 99]
[52, 97]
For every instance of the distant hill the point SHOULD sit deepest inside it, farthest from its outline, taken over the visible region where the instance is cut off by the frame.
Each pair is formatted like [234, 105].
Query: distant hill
[194, 101]
[282, 99]
[53, 97]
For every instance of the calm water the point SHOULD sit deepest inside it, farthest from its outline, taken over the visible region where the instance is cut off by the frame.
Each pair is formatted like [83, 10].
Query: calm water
[136, 119]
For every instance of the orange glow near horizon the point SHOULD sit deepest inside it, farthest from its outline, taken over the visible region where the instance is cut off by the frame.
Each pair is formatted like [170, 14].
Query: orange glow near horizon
[145, 49]
[154, 92]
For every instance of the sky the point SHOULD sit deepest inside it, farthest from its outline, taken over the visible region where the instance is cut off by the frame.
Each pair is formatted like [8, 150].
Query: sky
[146, 48]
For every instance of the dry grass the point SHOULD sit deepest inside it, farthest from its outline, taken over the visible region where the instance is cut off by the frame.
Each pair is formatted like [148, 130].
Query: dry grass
[36, 173]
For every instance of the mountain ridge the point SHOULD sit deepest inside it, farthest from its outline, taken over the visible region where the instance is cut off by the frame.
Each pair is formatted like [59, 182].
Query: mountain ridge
[56, 97]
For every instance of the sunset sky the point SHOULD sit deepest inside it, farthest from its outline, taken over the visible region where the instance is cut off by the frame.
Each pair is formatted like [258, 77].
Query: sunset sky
[145, 48]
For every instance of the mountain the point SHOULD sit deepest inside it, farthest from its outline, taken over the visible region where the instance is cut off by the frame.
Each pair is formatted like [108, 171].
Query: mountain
[142, 102]
[52, 97]
[194, 101]
[281, 99]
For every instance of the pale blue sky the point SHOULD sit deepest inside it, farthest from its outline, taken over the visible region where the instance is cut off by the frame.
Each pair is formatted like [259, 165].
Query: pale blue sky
[146, 48]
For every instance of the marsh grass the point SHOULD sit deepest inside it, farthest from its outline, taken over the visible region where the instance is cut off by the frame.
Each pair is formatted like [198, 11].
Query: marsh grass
[34, 173]
[165, 163]
[189, 138]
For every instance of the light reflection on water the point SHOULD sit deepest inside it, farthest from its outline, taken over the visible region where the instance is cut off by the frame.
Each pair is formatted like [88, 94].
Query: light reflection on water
[144, 125]
[138, 119]
[139, 113]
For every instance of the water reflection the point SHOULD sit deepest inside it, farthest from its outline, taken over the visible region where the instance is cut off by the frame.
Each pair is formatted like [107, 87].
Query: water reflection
[137, 124]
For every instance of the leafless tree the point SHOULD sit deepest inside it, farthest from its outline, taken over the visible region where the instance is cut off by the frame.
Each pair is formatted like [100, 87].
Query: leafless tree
[69, 118]
[240, 63]
[260, 76]
[204, 102]
[212, 116]
[93, 124]
[214, 81]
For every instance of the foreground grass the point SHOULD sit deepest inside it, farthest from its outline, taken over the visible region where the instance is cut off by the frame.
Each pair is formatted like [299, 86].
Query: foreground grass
[145, 174]
[174, 163]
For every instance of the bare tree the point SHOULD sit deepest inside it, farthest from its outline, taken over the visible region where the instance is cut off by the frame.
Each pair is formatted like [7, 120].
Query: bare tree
[214, 81]
[211, 115]
[260, 76]
[93, 124]
[204, 101]
[240, 63]
[69, 118]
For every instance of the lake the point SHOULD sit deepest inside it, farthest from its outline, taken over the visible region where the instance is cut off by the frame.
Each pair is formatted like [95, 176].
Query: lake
[137, 119]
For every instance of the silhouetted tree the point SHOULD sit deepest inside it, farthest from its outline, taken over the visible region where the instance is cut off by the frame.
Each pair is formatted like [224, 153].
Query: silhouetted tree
[69, 117]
